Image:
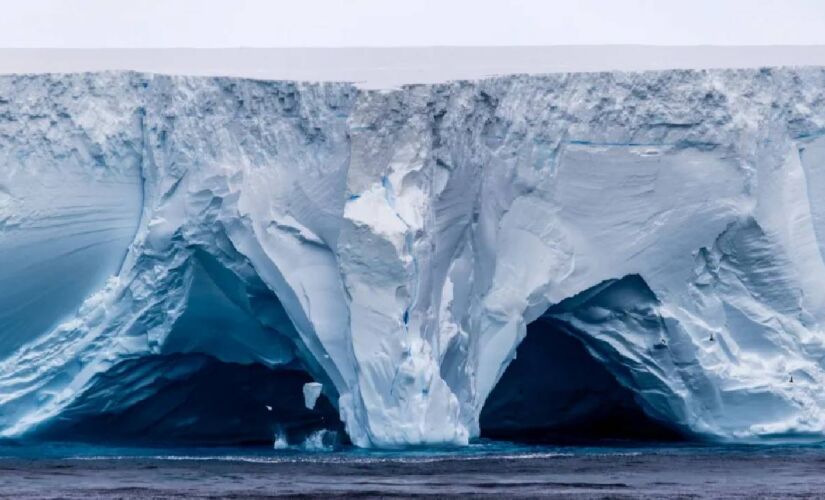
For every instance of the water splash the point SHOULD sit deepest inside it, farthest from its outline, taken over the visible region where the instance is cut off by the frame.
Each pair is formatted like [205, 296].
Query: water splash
[321, 440]
[280, 442]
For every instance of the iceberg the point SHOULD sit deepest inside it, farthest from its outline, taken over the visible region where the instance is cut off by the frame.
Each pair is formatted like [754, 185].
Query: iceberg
[384, 251]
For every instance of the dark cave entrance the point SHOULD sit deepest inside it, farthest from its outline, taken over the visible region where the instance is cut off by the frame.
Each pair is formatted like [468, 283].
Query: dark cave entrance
[195, 400]
[556, 392]
[227, 374]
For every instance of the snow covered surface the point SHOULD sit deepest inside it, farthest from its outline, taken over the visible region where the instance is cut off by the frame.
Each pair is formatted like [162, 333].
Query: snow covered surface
[377, 68]
[396, 243]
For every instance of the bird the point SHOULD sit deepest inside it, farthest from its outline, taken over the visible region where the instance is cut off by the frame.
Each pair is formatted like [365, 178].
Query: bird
[268, 408]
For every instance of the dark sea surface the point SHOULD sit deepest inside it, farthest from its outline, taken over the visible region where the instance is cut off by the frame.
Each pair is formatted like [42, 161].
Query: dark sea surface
[497, 470]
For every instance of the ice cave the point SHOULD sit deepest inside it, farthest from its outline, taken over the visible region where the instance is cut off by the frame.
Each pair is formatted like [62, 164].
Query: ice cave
[561, 257]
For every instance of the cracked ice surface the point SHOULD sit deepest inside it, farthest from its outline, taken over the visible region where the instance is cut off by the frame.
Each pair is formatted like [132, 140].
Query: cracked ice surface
[396, 243]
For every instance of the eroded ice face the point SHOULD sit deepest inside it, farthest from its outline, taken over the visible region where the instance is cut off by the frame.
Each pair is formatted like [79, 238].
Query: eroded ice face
[394, 245]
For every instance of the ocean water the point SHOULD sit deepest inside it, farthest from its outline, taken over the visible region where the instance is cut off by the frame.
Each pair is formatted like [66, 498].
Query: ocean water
[483, 469]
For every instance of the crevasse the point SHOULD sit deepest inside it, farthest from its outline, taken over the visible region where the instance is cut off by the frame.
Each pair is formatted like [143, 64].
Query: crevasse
[396, 244]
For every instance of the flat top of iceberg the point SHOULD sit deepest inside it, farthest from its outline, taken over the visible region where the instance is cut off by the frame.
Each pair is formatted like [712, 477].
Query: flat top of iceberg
[378, 68]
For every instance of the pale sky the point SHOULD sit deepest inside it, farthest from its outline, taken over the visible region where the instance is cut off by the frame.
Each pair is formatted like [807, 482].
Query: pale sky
[373, 23]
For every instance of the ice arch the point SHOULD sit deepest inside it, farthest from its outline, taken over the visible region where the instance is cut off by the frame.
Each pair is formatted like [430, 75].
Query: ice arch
[206, 272]
[567, 384]
[557, 392]
[409, 237]
[228, 372]
[225, 368]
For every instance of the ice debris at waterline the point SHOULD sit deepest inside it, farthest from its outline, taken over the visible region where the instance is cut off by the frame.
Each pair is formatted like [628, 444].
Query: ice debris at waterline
[395, 244]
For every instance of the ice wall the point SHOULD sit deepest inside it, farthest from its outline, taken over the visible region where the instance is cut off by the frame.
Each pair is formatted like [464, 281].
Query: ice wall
[396, 243]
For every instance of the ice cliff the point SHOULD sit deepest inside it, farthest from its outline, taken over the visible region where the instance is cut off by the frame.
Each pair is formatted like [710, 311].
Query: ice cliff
[395, 244]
